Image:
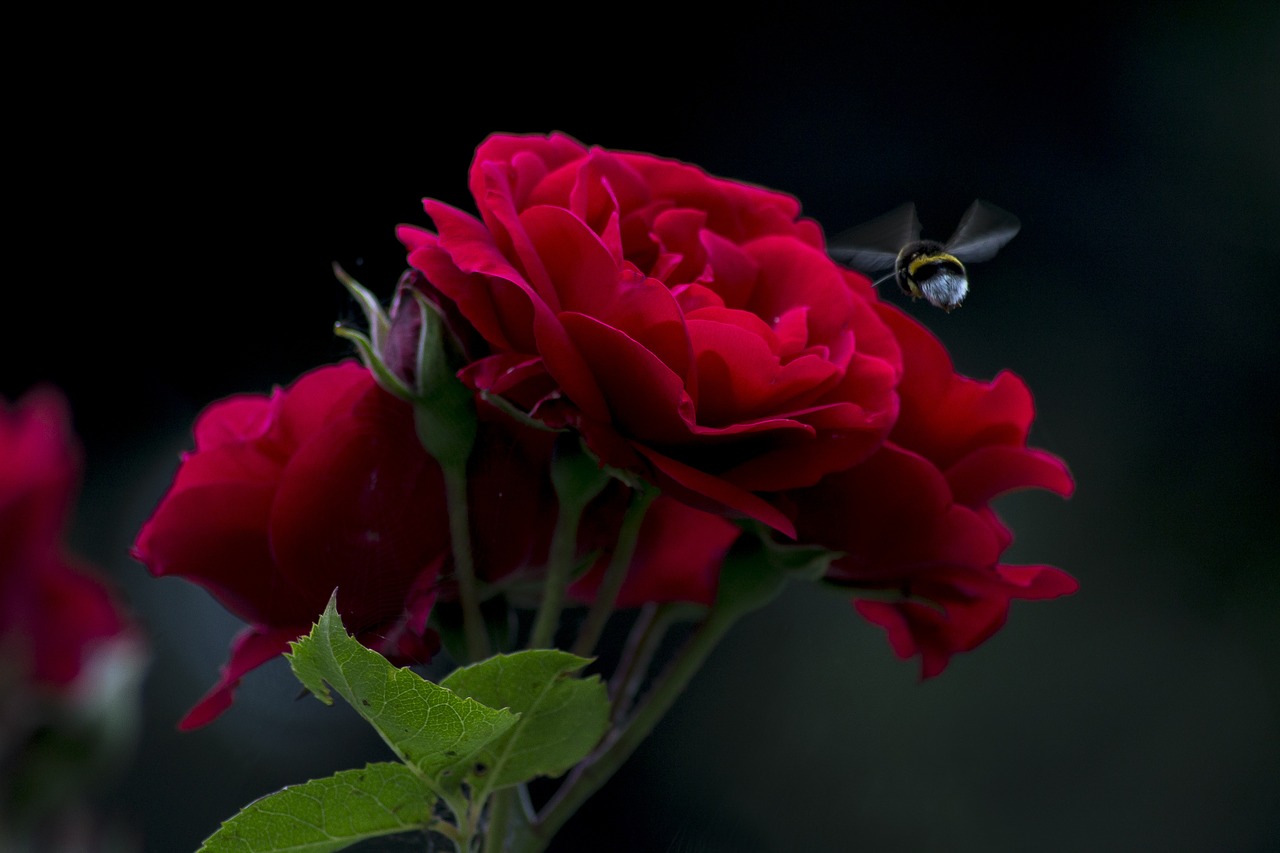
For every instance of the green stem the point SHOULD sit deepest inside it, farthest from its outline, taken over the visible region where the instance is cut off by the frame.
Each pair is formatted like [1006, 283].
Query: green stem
[455, 483]
[448, 831]
[614, 575]
[641, 628]
[642, 643]
[590, 775]
[559, 566]
[495, 833]
[507, 830]
[457, 831]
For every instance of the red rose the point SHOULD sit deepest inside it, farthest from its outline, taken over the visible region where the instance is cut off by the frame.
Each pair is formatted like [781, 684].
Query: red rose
[54, 611]
[691, 328]
[914, 519]
[322, 485]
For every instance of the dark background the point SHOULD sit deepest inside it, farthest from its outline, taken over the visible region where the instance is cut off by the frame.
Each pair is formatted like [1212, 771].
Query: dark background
[182, 187]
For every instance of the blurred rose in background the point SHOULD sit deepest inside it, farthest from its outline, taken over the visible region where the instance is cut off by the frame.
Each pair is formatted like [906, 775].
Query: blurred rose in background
[71, 658]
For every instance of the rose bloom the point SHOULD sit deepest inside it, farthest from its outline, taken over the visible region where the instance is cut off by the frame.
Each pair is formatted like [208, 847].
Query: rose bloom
[56, 614]
[691, 328]
[320, 485]
[695, 331]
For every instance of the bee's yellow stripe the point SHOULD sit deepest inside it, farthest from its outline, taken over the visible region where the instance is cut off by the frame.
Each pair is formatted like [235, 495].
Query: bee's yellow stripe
[939, 257]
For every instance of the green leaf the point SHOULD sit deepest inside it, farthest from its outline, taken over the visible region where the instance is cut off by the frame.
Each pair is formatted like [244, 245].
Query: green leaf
[329, 814]
[561, 717]
[426, 724]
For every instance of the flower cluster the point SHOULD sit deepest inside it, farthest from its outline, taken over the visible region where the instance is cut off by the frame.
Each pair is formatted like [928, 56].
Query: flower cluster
[325, 485]
[696, 336]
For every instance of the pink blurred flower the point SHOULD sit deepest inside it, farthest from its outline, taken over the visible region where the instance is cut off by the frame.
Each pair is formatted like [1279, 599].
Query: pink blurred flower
[55, 610]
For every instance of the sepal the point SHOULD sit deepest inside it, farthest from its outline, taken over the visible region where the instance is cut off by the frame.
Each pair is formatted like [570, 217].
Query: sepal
[412, 355]
[758, 568]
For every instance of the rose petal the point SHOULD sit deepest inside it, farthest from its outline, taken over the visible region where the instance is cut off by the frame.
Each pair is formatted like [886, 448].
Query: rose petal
[216, 536]
[997, 469]
[251, 648]
[367, 483]
[702, 490]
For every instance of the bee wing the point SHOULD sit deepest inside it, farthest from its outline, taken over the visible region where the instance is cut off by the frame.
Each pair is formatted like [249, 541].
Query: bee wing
[982, 231]
[874, 245]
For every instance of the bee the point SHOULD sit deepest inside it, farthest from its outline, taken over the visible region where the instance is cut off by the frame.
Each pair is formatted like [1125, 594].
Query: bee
[926, 268]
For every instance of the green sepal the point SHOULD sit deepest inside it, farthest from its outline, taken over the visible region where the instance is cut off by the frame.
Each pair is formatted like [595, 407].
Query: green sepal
[799, 562]
[577, 474]
[516, 413]
[381, 373]
[330, 813]
[370, 346]
[445, 409]
[379, 322]
[756, 570]
[562, 717]
[428, 726]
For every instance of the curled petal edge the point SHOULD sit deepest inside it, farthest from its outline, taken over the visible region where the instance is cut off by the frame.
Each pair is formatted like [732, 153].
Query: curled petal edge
[250, 649]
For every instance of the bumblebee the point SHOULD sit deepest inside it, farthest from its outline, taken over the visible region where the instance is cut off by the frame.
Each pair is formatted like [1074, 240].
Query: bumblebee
[926, 268]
